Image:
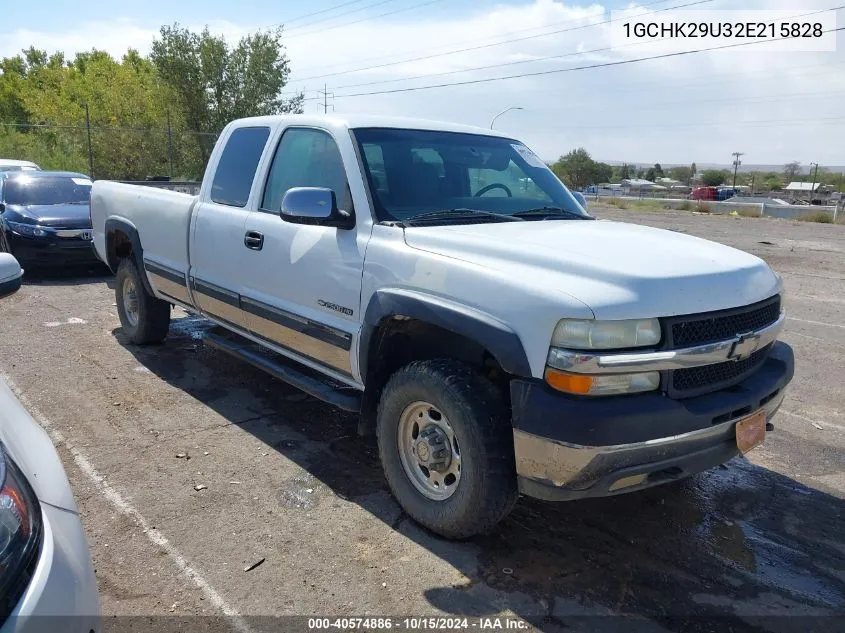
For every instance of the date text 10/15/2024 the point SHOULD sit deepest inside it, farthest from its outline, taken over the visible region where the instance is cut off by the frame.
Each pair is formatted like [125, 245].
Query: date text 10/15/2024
[418, 624]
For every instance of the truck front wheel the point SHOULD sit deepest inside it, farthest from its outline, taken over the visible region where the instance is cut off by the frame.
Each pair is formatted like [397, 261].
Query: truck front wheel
[446, 446]
[144, 318]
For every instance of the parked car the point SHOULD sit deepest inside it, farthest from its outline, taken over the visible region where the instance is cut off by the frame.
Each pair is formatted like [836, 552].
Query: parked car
[493, 336]
[46, 566]
[8, 164]
[704, 193]
[45, 218]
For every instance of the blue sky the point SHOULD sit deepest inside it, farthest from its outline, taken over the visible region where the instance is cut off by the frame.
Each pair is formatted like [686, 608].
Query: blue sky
[775, 107]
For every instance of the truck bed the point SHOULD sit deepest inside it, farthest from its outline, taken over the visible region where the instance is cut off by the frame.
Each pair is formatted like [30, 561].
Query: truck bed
[160, 216]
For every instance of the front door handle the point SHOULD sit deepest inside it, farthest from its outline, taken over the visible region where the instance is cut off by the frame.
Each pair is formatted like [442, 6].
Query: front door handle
[254, 240]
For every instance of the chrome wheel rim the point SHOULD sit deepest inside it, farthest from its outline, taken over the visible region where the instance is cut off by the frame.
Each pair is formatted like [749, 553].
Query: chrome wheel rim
[130, 302]
[429, 451]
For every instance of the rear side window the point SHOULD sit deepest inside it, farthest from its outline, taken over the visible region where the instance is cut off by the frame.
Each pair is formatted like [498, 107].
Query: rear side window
[237, 166]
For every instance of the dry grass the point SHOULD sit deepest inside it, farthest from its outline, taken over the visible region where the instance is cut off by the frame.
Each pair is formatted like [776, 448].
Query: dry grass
[820, 217]
[619, 203]
[704, 207]
[686, 205]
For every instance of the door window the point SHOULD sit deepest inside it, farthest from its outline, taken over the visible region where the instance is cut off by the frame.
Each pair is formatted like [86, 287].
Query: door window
[236, 168]
[306, 158]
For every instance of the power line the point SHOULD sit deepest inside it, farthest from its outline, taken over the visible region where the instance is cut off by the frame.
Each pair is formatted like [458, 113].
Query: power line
[526, 61]
[340, 15]
[372, 17]
[308, 15]
[621, 62]
[475, 48]
[470, 41]
[741, 123]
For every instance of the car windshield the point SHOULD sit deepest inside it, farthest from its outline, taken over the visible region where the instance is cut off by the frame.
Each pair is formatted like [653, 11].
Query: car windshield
[412, 172]
[47, 190]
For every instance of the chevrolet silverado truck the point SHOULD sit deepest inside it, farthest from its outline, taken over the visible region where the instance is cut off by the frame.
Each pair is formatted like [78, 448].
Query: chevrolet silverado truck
[441, 282]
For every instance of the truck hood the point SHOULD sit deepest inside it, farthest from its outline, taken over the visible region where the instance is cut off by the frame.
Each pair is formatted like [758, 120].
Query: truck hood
[619, 270]
[66, 216]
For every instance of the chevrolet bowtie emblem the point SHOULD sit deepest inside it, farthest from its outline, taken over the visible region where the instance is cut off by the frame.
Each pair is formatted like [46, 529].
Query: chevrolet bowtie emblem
[744, 345]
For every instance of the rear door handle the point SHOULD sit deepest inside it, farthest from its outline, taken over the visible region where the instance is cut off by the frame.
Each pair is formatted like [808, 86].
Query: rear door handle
[254, 240]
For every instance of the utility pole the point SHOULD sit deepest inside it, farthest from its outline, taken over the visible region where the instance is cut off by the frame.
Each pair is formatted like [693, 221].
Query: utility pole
[169, 145]
[737, 163]
[90, 151]
[813, 186]
[326, 95]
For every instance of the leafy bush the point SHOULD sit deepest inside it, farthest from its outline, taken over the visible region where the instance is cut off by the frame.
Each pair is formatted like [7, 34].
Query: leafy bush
[704, 207]
[820, 217]
[619, 203]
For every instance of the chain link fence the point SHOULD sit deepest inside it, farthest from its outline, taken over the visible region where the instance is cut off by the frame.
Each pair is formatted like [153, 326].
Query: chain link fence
[113, 152]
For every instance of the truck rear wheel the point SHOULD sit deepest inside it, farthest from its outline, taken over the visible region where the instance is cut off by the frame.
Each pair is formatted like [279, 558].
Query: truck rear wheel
[144, 318]
[446, 446]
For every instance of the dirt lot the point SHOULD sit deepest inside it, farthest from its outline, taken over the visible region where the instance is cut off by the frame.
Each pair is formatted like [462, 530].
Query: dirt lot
[288, 481]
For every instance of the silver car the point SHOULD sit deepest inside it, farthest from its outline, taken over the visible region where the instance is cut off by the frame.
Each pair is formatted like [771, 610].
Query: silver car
[45, 564]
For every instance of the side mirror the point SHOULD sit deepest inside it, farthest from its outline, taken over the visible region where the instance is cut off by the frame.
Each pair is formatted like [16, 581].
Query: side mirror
[316, 206]
[582, 200]
[10, 275]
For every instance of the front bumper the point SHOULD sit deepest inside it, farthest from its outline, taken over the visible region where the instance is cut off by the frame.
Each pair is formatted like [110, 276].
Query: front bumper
[51, 250]
[62, 594]
[568, 447]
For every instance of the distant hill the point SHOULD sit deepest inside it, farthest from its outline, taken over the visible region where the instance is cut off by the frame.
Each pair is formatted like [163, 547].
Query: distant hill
[805, 169]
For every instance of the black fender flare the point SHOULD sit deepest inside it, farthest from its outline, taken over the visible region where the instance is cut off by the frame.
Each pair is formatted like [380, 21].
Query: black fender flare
[494, 335]
[117, 224]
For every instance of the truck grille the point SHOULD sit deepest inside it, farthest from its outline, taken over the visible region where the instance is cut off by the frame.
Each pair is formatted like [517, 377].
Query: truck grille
[700, 329]
[712, 377]
[719, 326]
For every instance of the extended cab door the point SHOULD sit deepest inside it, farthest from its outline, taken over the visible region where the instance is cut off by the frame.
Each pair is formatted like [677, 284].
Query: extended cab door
[217, 233]
[303, 286]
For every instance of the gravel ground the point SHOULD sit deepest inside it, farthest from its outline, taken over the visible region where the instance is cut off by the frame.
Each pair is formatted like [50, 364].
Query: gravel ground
[288, 482]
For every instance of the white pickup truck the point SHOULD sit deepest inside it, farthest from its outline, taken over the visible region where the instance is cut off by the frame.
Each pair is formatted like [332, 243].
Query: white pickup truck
[442, 282]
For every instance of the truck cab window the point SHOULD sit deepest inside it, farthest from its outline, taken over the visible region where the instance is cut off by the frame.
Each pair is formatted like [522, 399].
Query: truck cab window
[238, 163]
[306, 158]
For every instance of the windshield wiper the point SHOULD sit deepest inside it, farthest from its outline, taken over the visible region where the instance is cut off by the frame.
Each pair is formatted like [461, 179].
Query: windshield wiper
[457, 214]
[548, 212]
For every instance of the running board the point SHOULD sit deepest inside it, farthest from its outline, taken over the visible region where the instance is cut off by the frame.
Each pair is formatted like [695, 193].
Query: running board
[291, 372]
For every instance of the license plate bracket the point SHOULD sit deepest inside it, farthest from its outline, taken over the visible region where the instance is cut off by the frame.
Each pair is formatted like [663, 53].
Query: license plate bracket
[751, 431]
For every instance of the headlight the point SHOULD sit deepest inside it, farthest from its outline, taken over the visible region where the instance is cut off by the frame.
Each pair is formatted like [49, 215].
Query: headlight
[20, 534]
[585, 334]
[603, 384]
[30, 230]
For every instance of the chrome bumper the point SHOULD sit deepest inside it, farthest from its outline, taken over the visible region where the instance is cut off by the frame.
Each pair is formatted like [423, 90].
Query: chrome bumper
[556, 470]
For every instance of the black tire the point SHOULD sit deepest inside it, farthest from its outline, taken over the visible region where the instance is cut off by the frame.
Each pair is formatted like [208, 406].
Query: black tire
[487, 490]
[153, 315]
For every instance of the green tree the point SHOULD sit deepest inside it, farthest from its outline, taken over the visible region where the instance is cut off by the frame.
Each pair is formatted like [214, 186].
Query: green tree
[624, 171]
[681, 174]
[215, 83]
[602, 172]
[713, 177]
[576, 169]
[772, 181]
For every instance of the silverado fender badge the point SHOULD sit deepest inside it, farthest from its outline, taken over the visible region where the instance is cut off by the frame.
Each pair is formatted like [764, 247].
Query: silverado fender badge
[335, 307]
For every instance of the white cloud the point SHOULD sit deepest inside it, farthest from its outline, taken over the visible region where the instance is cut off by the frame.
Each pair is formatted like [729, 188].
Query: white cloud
[655, 111]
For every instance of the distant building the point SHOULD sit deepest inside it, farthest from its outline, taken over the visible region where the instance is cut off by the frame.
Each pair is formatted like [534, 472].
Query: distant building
[639, 185]
[805, 187]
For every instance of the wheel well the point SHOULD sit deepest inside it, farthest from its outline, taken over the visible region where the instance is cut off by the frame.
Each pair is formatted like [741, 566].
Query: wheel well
[118, 247]
[399, 340]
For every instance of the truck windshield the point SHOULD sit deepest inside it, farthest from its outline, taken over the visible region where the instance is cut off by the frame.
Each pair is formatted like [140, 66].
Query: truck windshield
[47, 190]
[411, 172]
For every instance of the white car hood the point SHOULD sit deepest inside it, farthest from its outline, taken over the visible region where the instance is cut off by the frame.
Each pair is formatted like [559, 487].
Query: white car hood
[619, 270]
[31, 449]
